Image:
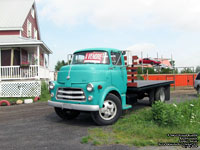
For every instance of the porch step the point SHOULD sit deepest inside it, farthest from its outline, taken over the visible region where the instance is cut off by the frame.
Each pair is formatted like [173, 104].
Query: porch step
[126, 107]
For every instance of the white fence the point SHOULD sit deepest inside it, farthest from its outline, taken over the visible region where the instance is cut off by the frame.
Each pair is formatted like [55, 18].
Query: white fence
[17, 72]
[44, 73]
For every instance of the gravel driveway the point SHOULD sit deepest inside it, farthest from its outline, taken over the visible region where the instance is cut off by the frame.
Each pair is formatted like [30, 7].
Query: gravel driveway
[36, 126]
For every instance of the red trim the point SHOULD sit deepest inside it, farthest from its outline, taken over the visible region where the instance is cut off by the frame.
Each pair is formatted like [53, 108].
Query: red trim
[9, 32]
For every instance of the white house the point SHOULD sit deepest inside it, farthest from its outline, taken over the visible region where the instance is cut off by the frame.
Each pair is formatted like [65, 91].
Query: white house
[24, 57]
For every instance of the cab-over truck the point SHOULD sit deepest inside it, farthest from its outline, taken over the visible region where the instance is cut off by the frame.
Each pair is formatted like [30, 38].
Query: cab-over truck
[96, 82]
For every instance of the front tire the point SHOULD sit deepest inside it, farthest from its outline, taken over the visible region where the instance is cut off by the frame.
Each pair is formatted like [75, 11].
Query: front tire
[110, 112]
[66, 114]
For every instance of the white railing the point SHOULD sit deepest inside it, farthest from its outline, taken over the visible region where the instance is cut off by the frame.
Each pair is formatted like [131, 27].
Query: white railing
[17, 72]
[44, 73]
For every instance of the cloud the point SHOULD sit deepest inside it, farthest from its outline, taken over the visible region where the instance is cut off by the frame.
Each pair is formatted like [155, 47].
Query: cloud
[116, 14]
[145, 49]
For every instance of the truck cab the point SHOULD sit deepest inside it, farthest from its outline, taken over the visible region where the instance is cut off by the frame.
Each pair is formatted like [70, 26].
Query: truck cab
[96, 81]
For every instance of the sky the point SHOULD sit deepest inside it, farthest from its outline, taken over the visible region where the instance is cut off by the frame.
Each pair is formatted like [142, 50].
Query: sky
[169, 28]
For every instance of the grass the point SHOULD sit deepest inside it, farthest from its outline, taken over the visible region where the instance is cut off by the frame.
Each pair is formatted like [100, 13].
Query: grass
[45, 95]
[140, 128]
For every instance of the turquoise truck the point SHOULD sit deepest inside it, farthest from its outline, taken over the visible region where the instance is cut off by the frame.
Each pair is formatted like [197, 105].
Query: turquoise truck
[96, 82]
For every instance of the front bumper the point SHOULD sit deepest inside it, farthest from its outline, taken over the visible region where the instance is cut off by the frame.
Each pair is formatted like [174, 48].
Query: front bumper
[80, 107]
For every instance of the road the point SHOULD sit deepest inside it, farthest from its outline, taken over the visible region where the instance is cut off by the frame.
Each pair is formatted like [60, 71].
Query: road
[36, 126]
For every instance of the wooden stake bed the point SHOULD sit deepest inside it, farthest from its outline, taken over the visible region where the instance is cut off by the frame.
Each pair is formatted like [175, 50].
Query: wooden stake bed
[131, 72]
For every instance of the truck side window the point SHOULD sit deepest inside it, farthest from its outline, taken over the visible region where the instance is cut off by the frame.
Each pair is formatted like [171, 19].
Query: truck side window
[116, 58]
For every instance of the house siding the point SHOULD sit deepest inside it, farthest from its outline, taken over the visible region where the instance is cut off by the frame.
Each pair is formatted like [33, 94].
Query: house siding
[34, 25]
[9, 32]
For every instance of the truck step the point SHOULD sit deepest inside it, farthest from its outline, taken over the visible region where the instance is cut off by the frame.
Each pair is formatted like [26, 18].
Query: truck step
[127, 107]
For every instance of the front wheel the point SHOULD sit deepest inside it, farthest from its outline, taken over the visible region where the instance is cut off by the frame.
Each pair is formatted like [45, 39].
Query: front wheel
[66, 114]
[110, 112]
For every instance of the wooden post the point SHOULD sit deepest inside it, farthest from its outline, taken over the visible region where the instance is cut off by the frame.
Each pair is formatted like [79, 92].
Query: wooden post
[44, 60]
[38, 60]
[12, 57]
[48, 61]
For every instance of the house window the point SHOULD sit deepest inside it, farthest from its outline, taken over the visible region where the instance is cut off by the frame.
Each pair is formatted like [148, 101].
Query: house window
[33, 12]
[35, 34]
[29, 29]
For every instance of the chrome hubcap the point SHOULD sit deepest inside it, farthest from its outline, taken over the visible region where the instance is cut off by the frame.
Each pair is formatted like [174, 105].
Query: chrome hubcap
[162, 95]
[108, 111]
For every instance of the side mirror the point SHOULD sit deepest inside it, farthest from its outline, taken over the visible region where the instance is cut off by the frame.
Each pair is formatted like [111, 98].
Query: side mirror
[123, 52]
[69, 57]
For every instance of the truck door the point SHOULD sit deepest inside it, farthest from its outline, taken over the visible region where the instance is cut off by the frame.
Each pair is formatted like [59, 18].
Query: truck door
[118, 72]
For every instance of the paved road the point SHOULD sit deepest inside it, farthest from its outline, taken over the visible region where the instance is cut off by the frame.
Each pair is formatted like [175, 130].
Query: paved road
[36, 126]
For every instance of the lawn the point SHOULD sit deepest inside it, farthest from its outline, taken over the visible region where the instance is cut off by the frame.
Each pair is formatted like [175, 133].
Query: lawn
[149, 126]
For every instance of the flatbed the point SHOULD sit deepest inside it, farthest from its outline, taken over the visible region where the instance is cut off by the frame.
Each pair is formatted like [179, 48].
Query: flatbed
[148, 84]
[154, 90]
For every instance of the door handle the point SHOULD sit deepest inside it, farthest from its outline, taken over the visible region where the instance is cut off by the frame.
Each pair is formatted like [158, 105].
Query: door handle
[111, 68]
[122, 67]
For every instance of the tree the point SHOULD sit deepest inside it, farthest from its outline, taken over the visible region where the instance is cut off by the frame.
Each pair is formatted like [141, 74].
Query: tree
[60, 64]
[187, 70]
[150, 70]
[197, 69]
[172, 62]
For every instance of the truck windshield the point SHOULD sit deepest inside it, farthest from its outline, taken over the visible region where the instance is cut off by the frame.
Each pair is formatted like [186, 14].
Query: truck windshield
[91, 57]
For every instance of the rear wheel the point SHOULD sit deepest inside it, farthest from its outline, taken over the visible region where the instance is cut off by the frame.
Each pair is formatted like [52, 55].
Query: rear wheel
[160, 94]
[151, 97]
[110, 112]
[66, 114]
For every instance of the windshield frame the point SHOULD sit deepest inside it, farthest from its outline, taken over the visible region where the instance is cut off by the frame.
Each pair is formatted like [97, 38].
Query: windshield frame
[108, 63]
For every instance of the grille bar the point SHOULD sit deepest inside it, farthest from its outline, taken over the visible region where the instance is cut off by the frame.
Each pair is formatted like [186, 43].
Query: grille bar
[71, 97]
[71, 94]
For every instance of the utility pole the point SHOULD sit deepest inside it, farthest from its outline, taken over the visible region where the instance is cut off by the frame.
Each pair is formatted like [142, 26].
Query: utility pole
[142, 61]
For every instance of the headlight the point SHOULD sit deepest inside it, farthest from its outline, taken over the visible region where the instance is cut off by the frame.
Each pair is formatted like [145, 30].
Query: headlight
[51, 86]
[90, 87]
[90, 98]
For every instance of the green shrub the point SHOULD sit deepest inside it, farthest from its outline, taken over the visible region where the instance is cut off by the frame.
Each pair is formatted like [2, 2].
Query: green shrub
[139, 77]
[45, 95]
[166, 114]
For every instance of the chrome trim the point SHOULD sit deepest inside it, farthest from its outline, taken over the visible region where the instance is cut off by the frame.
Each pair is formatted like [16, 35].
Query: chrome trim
[71, 97]
[91, 86]
[71, 92]
[80, 107]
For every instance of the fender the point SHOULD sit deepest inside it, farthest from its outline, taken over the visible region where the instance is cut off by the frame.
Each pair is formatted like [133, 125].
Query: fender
[105, 93]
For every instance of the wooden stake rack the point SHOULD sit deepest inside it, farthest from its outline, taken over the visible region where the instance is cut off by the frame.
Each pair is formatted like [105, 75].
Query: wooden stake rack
[131, 71]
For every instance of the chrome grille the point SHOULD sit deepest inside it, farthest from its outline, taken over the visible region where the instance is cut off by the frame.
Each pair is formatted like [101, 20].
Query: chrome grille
[73, 94]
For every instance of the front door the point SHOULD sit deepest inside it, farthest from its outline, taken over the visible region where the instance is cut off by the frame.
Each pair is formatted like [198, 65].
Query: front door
[119, 78]
[5, 57]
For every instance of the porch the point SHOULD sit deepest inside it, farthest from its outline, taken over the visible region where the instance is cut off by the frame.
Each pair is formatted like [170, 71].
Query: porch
[24, 63]
[22, 73]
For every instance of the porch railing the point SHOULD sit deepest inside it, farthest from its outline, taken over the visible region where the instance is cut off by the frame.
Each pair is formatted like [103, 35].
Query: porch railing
[17, 72]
